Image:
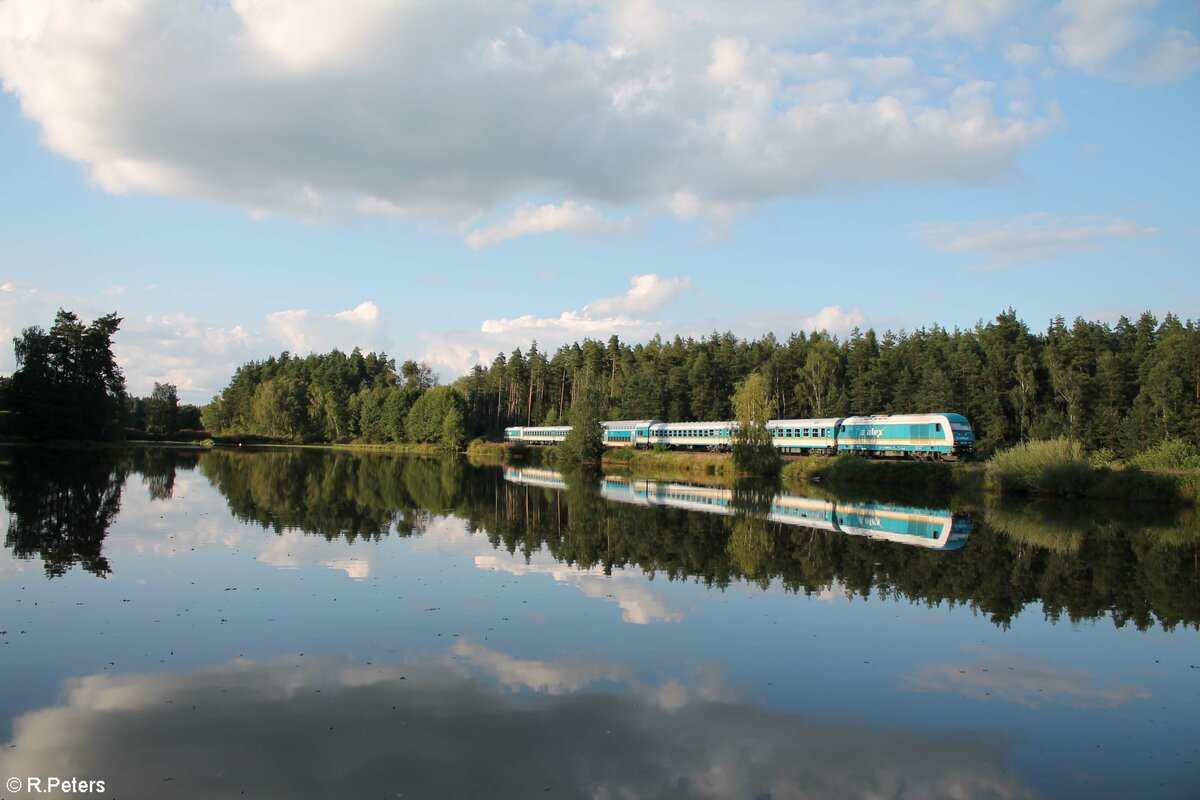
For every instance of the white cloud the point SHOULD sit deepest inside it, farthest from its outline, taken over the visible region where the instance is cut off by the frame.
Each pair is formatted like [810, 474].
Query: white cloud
[834, 319]
[457, 351]
[20, 307]
[646, 293]
[302, 332]
[443, 112]
[1176, 53]
[1022, 55]
[197, 357]
[1116, 37]
[1095, 30]
[1033, 237]
[579, 219]
[684, 204]
[627, 317]
[971, 19]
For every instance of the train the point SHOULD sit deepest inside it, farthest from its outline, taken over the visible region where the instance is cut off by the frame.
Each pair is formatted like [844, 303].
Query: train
[940, 436]
[936, 529]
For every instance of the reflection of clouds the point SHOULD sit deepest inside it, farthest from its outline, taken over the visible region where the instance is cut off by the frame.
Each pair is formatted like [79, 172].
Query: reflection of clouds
[9, 564]
[291, 549]
[198, 517]
[567, 675]
[1017, 679]
[640, 603]
[303, 727]
[195, 517]
[553, 677]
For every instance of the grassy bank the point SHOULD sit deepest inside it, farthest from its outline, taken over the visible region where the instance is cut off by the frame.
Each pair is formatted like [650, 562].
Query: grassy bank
[652, 463]
[1059, 468]
[507, 452]
[1044, 469]
[855, 470]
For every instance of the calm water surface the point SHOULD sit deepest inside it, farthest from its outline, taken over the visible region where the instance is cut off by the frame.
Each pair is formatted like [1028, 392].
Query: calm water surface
[298, 624]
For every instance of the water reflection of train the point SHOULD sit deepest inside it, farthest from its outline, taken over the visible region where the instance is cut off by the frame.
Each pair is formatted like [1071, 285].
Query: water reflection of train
[937, 529]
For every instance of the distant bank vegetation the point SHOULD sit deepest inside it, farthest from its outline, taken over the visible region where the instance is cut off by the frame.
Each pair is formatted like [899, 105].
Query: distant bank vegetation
[1116, 391]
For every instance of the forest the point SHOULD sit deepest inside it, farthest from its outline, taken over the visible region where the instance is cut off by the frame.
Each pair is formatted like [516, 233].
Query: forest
[1117, 387]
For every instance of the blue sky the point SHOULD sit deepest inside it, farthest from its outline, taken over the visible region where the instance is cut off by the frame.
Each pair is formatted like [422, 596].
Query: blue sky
[445, 182]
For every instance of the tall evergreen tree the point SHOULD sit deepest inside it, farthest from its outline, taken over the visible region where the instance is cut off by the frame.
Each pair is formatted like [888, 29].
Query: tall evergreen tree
[67, 383]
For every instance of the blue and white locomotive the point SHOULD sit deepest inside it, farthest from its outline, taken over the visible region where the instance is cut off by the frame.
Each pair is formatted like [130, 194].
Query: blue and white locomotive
[927, 436]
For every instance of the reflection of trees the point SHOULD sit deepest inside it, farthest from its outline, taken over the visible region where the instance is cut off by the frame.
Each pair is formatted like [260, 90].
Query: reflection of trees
[334, 495]
[1133, 573]
[750, 542]
[60, 505]
[157, 466]
[1079, 562]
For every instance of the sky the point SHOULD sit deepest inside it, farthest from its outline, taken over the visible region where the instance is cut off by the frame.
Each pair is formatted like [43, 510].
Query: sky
[446, 181]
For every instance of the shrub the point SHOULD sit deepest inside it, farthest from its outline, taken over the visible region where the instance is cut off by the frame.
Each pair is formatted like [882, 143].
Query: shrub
[1054, 466]
[1104, 457]
[1172, 453]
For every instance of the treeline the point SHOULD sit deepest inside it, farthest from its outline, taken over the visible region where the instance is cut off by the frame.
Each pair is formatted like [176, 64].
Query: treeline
[1119, 387]
[337, 397]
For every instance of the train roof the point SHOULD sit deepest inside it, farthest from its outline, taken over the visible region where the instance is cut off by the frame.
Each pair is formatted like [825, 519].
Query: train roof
[800, 423]
[690, 425]
[902, 418]
[626, 424]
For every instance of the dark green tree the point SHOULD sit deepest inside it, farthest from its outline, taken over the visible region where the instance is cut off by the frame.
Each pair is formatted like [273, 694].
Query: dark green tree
[585, 442]
[426, 420]
[162, 410]
[67, 383]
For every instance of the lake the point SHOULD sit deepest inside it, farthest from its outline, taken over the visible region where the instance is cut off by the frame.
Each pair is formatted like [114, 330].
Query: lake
[301, 623]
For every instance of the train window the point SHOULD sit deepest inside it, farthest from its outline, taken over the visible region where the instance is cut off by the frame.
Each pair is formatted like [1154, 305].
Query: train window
[938, 427]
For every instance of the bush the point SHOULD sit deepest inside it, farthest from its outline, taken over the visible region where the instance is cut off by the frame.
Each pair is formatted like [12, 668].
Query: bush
[1104, 457]
[1172, 453]
[1054, 466]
